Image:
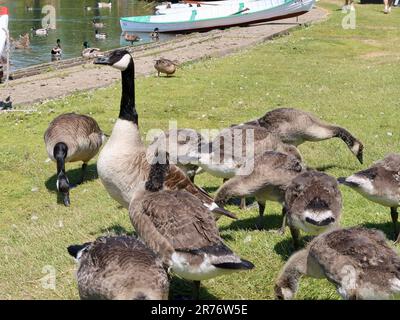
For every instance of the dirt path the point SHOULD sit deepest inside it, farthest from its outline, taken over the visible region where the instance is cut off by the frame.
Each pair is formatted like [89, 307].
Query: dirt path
[29, 90]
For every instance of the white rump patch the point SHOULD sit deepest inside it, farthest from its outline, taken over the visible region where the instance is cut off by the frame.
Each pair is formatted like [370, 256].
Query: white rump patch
[211, 206]
[197, 272]
[395, 285]
[123, 63]
[287, 293]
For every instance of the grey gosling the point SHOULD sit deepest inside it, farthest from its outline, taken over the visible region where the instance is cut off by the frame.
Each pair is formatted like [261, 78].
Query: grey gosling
[358, 261]
[180, 144]
[297, 126]
[270, 174]
[119, 268]
[381, 184]
[313, 203]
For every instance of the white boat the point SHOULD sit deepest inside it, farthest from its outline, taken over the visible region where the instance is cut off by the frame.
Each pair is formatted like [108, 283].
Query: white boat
[191, 4]
[197, 5]
[3, 28]
[237, 14]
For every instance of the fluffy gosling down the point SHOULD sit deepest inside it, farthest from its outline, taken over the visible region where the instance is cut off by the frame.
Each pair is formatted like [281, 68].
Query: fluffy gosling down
[313, 203]
[380, 184]
[119, 268]
[270, 174]
[297, 126]
[358, 261]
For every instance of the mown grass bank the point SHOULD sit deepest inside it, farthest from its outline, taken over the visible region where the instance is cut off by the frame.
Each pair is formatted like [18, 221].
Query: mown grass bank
[348, 77]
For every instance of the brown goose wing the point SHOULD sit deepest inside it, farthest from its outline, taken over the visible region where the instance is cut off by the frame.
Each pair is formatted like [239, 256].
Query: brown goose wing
[177, 180]
[177, 217]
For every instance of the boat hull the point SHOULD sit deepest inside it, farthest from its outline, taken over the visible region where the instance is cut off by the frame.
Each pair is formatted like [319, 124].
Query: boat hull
[292, 9]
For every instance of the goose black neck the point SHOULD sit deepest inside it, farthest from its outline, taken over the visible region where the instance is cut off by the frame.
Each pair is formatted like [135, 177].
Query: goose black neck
[128, 108]
[60, 153]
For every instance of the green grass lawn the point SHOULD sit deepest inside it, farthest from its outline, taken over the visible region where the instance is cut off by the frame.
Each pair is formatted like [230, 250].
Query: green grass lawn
[347, 77]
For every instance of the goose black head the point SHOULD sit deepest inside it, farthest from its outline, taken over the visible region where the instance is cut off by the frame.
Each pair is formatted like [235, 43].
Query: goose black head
[118, 59]
[86, 44]
[63, 188]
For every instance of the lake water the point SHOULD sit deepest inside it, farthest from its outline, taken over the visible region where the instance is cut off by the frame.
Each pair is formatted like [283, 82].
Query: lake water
[73, 26]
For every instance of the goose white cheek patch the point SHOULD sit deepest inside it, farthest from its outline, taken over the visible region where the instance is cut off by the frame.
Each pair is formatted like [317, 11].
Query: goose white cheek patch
[123, 63]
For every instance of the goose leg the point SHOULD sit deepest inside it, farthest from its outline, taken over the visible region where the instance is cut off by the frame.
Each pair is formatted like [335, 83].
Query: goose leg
[295, 235]
[398, 239]
[196, 290]
[243, 203]
[261, 209]
[83, 174]
[158, 73]
[281, 231]
[395, 217]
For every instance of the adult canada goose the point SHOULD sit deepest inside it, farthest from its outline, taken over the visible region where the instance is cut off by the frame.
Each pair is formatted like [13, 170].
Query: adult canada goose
[381, 184]
[233, 146]
[313, 203]
[130, 37]
[297, 126]
[90, 53]
[266, 177]
[356, 260]
[155, 35]
[166, 66]
[57, 51]
[23, 42]
[180, 144]
[104, 4]
[119, 268]
[123, 163]
[72, 137]
[97, 25]
[176, 225]
[100, 35]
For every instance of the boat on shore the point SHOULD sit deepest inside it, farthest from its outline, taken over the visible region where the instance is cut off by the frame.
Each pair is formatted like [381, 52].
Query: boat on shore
[236, 14]
[3, 29]
[168, 6]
